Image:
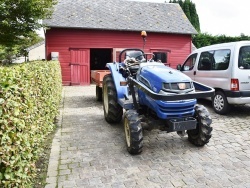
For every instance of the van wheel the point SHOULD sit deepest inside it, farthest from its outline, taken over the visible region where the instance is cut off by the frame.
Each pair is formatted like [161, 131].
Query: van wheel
[220, 104]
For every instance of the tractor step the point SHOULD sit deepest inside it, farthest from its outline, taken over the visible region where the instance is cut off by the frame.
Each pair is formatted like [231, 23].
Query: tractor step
[127, 103]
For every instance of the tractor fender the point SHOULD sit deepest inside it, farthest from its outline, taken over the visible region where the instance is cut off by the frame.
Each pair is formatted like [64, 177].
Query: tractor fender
[122, 91]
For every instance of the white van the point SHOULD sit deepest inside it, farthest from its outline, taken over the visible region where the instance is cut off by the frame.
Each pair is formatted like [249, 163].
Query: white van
[226, 68]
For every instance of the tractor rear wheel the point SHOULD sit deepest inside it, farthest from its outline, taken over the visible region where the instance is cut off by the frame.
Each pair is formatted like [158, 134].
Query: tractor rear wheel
[201, 135]
[133, 132]
[112, 110]
[98, 93]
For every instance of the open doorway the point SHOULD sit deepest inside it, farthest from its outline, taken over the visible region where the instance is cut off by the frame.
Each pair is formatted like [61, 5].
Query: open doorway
[99, 58]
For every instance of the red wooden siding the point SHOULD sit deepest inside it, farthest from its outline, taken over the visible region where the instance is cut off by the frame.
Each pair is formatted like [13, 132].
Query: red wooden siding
[62, 40]
[80, 71]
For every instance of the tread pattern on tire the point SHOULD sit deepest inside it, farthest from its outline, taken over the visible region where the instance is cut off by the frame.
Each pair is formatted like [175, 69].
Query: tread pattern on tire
[115, 111]
[136, 135]
[201, 135]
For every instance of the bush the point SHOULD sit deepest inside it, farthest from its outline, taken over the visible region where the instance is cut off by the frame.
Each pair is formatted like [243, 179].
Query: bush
[30, 94]
[205, 39]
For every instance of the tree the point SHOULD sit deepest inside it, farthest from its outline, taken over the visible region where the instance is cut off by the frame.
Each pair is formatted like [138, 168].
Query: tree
[8, 53]
[205, 39]
[194, 17]
[180, 3]
[20, 18]
[186, 9]
[189, 9]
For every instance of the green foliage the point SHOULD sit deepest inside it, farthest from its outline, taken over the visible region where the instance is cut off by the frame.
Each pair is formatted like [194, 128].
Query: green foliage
[189, 9]
[194, 17]
[33, 38]
[19, 18]
[7, 53]
[205, 39]
[18, 50]
[30, 94]
[186, 9]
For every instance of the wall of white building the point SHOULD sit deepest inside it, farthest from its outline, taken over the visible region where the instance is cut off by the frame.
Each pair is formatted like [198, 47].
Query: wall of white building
[37, 53]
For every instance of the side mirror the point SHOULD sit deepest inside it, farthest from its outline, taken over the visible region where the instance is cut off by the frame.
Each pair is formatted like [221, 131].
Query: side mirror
[178, 67]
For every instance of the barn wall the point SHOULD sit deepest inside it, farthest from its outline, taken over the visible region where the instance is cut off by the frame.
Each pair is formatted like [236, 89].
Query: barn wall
[61, 40]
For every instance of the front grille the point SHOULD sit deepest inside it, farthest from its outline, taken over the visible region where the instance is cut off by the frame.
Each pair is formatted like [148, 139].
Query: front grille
[180, 109]
[178, 87]
[177, 111]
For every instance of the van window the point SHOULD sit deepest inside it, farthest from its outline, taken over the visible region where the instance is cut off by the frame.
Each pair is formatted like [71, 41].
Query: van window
[221, 59]
[214, 60]
[206, 60]
[189, 63]
[244, 57]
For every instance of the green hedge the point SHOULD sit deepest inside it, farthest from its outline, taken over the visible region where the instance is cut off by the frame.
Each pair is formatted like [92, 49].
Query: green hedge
[30, 94]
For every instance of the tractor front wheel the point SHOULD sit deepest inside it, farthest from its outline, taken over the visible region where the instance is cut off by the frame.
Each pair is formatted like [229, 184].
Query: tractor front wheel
[112, 110]
[133, 132]
[201, 135]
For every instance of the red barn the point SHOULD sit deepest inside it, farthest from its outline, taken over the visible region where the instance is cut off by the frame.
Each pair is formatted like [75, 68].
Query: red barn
[85, 35]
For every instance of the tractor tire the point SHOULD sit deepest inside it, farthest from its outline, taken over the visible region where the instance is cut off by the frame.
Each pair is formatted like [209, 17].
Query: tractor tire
[220, 104]
[133, 132]
[112, 110]
[201, 135]
[98, 93]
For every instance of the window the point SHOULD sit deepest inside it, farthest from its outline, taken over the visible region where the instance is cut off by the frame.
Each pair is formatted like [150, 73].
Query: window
[205, 61]
[189, 63]
[160, 57]
[244, 57]
[214, 60]
[221, 58]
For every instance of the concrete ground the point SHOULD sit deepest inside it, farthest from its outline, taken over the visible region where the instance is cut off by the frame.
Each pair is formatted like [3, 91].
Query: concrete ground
[88, 152]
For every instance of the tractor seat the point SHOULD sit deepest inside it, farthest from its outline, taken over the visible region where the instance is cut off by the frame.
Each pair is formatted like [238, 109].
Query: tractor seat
[139, 57]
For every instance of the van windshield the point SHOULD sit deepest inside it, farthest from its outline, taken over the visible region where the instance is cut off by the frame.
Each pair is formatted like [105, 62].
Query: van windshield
[244, 57]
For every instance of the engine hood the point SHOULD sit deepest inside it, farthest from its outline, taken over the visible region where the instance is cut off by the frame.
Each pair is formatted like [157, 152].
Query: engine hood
[155, 75]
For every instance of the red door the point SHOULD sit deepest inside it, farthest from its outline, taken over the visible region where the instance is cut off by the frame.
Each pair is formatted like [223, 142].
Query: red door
[80, 67]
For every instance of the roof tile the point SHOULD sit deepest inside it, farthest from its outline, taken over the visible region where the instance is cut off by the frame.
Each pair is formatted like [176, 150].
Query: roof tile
[120, 15]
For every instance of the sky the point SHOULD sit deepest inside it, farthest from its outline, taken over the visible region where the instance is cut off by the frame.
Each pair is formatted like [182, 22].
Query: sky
[222, 17]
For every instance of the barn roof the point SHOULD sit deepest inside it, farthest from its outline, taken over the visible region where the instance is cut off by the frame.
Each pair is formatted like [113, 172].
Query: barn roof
[120, 15]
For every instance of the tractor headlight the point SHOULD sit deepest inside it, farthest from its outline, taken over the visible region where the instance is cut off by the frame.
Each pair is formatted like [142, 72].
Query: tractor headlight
[178, 87]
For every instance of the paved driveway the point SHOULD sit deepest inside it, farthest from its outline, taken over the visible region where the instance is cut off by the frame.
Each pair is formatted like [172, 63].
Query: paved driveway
[88, 152]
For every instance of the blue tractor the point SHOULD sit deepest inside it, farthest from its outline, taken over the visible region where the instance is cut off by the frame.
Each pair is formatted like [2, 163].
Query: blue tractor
[153, 95]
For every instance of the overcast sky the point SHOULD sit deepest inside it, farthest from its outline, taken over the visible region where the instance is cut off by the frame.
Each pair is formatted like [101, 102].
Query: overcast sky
[219, 17]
